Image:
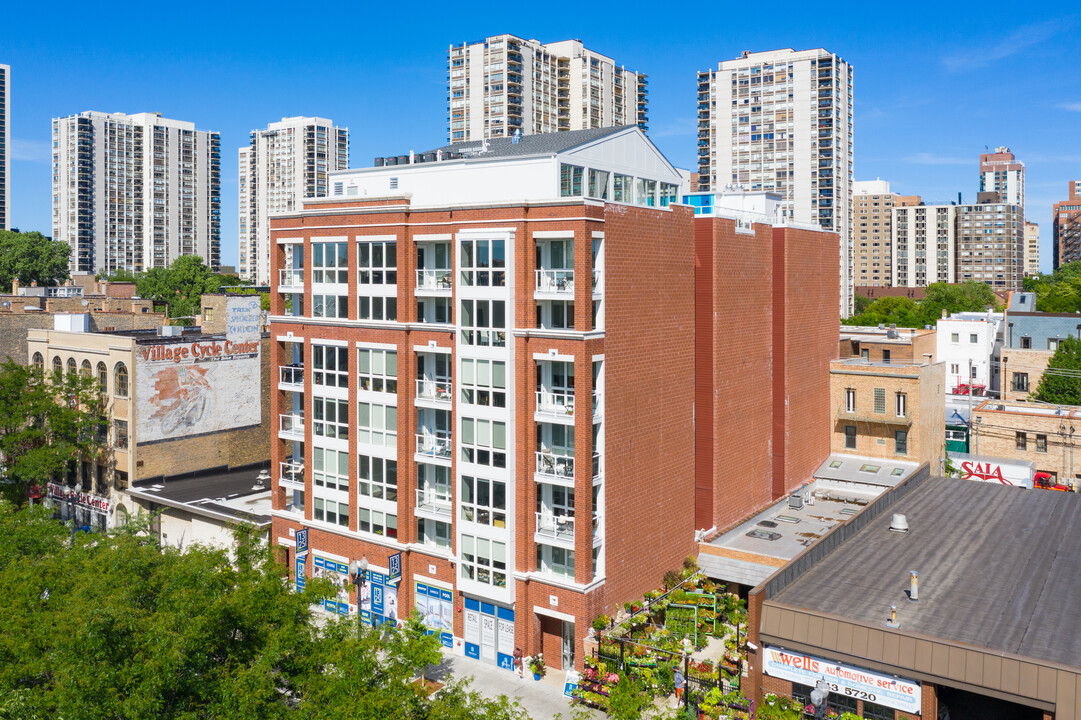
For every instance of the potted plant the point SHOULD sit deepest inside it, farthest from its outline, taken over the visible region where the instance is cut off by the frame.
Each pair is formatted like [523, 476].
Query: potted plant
[536, 666]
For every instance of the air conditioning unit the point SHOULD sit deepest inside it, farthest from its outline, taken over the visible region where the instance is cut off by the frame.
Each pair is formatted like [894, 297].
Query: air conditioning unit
[795, 501]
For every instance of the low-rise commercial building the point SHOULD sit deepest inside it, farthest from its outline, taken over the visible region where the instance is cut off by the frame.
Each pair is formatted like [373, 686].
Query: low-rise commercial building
[966, 344]
[1031, 338]
[1042, 434]
[887, 344]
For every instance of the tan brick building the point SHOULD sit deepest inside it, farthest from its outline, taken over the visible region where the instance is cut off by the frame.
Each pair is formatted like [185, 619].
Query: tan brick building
[892, 344]
[892, 411]
[1042, 434]
[180, 402]
[873, 230]
[1022, 371]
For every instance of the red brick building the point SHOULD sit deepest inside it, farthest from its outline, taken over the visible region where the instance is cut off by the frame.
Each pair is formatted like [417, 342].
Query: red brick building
[483, 358]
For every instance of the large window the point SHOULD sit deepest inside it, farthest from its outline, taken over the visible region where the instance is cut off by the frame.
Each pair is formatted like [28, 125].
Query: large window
[570, 180]
[120, 380]
[330, 262]
[1020, 382]
[378, 370]
[378, 523]
[433, 533]
[331, 511]
[598, 184]
[378, 307]
[377, 263]
[331, 468]
[331, 418]
[622, 188]
[378, 425]
[483, 263]
[122, 434]
[484, 561]
[484, 501]
[484, 442]
[103, 378]
[484, 382]
[330, 306]
[647, 192]
[378, 477]
[331, 366]
[484, 323]
[555, 561]
[39, 362]
[58, 365]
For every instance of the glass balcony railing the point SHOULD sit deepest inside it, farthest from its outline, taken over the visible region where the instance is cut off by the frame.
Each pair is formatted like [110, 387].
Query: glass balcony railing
[439, 389]
[435, 499]
[291, 277]
[557, 466]
[292, 425]
[555, 281]
[434, 279]
[291, 375]
[555, 403]
[434, 445]
[291, 472]
[558, 527]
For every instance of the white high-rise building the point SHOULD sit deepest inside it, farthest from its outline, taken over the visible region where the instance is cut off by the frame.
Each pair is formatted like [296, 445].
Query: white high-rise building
[1001, 172]
[924, 245]
[504, 84]
[284, 164]
[5, 147]
[135, 192]
[781, 121]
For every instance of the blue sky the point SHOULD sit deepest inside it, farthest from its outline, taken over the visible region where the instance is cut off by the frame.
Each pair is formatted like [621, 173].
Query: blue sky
[932, 85]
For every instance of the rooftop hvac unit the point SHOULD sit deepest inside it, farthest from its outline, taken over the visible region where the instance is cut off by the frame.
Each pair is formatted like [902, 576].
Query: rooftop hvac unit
[795, 501]
[379, 162]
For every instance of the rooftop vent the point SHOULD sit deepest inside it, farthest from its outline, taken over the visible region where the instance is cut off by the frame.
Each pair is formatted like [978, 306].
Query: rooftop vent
[899, 523]
[795, 501]
[892, 333]
[764, 534]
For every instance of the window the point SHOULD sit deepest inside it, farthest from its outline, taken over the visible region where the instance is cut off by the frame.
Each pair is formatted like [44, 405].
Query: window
[1052, 343]
[120, 380]
[39, 362]
[377, 425]
[647, 192]
[330, 306]
[885, 356]
[433, 533]
[570, 180]
[71, 366]
[378, 370]
[378, 307]
[871, 711]
[103, 378]
[86, 369]
[555, 561]
[902, 405]
[850, 437]
[1021, 440]
[122, 434]
[598, 184]
[484, 382]
[484, 263]
[850, 400]
[331, 366]
[378, 523]
[900, 442]
[484, 323]
[484, 442]
[1026, 342]
[484, 561]
[668, 194]
[378, 478]
[484, 501]
[972, 338]
[331, 469]
[1020, 382]
[865, 354]
[955, 368]
[880, 400]
[331, 418]
[622, 188]
[955, 338]
[1041, 443]
[560, 315]
[330, 511]
[330, 262]
[58, 365]
[377, 263]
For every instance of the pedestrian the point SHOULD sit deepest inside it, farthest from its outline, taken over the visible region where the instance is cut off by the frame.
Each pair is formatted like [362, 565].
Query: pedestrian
[516, 661]
[678, 681]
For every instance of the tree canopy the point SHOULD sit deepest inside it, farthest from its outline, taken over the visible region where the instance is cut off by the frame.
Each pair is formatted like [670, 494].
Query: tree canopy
[47, 420]
[114, 626]
[968, 296]
[1058, 292]
[179, 286]
[31, 257]
[1061, 381]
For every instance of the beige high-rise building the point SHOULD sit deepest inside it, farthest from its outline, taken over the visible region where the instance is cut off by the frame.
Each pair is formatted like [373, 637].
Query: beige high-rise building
[991, 243]
[505, 84]
[873, 230]
[135, 192]
[781, 121]
[924, 243]
[5, 146]
[284, 164]
[1032, 248]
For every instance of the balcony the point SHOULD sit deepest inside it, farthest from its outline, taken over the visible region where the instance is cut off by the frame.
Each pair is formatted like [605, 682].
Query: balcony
[291, 280]
[435, 281]
[434, 446]
[555, 404]
[435, 502]
[557, 468]
[291, 427]
[437, 390]
[554, 527]
[291, 473]
[291, 377]
[555, 283]
[884, 418]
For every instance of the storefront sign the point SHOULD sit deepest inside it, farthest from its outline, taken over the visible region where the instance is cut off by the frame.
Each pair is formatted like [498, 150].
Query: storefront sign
[847, 680]
[435, 607]
[84, 500]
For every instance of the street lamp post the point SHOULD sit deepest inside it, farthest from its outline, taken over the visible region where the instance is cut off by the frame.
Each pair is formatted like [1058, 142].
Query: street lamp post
[818, 698]
[358, 571]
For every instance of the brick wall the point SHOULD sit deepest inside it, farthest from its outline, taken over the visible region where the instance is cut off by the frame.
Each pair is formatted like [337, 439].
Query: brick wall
[998, 439]
[15, 328]
[1029, 362]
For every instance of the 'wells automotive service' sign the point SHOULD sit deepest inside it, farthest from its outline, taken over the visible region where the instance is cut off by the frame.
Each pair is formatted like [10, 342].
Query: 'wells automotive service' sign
[844, 680]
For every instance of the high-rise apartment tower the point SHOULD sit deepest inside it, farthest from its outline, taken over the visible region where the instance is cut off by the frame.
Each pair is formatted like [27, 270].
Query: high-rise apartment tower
[1066, 227]
[991, 243]
[504, 84]
[1002, 173]
[284, 164]
[924, 243]
[872, 228]
[135, 192]
[5, 147]
[1032, 248]
[781, 121]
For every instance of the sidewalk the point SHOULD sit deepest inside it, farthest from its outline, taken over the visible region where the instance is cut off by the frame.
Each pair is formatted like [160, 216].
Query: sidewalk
[542, 699]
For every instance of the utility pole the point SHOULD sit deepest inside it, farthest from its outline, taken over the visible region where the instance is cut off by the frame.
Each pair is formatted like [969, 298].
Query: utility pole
[969, 393]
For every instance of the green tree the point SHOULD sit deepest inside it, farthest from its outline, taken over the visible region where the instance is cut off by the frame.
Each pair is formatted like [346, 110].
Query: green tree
[31, 257]
[118, 627]
[180, 286]
[47, 421]
[1061, 381]
[970, 296]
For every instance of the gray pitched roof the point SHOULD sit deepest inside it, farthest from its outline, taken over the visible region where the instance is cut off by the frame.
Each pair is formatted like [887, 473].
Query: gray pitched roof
[530, 145]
